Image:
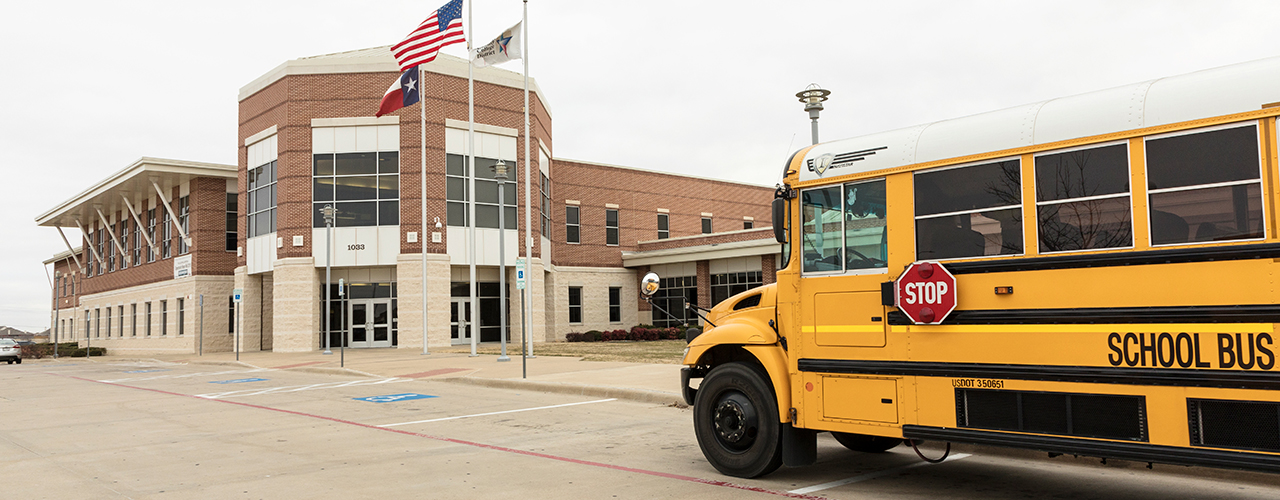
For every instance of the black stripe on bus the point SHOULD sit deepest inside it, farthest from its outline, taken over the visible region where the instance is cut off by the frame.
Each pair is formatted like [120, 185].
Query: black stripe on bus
[1226, 379]
[1147, 257]
[1136, 452]
[1246, 313]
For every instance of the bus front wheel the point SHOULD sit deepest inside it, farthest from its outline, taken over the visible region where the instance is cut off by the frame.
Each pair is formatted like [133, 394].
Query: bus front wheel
[865, 443]
[735, 417]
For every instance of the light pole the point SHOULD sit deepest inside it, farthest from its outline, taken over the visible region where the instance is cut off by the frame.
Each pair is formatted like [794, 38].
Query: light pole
[812, 97]
[500, 173]
[329, 213]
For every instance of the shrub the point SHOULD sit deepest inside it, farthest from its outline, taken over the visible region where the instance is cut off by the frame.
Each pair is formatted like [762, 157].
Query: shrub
[33, 351]
[573, 337]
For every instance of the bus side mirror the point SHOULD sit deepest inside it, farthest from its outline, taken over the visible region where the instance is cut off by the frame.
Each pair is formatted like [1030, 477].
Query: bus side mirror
[649, 285]
[780, 220]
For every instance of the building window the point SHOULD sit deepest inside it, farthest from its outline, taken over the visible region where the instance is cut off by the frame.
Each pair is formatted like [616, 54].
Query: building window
[486, 200]
[970, 211]
[89, 253]
[164, 318]
[706, 225]
[108, 321]
[262, 199]
[166, 239]
[664, 226]
[727, 285]
[182, 316]
[120, 320]
[124, 243]
[673, 293]
[364, 187]
[111, 253]
[151, 233]
[86, 323]
[102, 249]
[1205, 186]
[97, 323]
[546, 206]
[133, 320]
[231, 314]
[1082, 199]
[748, 224]
[575, 304]
[137, 244]
[611, 227]
[615, 304]
[147, 316]
[184, 216]
[571, 227]
[232, 227]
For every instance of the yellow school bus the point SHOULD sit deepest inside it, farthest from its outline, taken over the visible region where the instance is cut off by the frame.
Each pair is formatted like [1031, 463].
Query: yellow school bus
[1117, 287]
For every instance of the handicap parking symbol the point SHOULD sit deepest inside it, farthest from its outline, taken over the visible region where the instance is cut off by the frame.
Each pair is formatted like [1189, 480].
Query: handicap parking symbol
[237, 381]
[394, 397]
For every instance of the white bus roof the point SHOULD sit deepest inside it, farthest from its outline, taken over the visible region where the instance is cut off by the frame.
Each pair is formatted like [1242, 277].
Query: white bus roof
[1203, 94]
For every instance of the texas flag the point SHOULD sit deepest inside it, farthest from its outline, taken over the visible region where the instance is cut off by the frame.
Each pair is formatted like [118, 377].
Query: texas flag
[403, 92]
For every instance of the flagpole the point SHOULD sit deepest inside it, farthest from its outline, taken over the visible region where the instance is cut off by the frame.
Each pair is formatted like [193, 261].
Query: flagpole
[422, 175]
[471, 190]
[528, 179]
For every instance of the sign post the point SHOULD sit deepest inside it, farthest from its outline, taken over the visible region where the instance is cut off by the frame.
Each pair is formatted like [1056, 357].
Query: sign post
[236, 296]
[926, 293]
[524, 335]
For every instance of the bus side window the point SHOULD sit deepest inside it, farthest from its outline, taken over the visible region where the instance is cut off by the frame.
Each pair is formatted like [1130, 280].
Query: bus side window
[969, 211]
[1205, 186]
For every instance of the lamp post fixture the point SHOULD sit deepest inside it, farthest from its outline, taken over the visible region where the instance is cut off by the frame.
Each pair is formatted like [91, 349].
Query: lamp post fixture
[812, 97]
[500, 173]
[329, 214]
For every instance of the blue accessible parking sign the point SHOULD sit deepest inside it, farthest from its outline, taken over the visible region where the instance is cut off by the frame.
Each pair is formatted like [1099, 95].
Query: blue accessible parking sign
[394, 397]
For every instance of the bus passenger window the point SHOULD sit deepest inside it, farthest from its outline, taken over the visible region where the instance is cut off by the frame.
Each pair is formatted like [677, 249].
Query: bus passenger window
[1082, 199]
[866, 242]
[1205, 186]
[821, 229]
[969, 211]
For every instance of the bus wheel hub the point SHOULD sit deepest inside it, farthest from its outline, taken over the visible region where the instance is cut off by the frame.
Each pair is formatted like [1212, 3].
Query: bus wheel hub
[735, 421]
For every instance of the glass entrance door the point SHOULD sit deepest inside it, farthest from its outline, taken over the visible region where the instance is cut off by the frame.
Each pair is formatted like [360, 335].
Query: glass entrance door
[370, 323]
[460, 321]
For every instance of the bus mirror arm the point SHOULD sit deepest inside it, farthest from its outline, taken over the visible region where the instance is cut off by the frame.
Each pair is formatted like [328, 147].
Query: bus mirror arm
[698, 310]
[664, 311]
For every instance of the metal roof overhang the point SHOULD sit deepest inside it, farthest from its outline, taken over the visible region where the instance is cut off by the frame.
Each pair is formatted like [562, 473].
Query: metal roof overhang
[701, 252]
[133, 182]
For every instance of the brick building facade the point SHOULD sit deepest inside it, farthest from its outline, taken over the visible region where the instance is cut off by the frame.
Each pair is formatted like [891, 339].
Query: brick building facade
[307, 140]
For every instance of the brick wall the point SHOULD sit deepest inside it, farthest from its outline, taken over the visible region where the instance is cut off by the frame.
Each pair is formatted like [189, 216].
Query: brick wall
[639, 194]
[715, 238]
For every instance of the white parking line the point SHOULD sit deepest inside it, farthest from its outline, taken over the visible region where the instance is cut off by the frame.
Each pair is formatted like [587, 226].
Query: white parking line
[296, 388]
[872, 475]
[500, 412]
[187, 375]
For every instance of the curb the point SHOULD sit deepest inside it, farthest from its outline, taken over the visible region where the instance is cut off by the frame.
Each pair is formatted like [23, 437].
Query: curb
[599, 391]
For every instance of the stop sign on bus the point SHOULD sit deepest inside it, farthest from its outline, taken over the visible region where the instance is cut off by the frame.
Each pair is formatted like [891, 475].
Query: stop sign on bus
[926, 293]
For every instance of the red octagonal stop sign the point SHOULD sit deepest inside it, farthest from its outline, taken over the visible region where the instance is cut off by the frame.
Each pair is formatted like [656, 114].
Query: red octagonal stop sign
[926, 293]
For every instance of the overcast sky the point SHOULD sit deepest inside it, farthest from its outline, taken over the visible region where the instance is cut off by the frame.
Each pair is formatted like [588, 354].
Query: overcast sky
[704, 88]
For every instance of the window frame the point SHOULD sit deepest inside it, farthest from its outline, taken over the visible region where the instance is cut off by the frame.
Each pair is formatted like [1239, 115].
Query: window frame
[576, 225]
[252, 189]
[1035, 197]
[1263, 192]
[575, 307]
[664, 219]
[844, 270]
[611, 233]
[1019, 207]
[615, 307]
[707, 227]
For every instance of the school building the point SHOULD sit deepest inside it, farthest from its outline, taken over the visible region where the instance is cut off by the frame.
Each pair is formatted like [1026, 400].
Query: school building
[166, 241]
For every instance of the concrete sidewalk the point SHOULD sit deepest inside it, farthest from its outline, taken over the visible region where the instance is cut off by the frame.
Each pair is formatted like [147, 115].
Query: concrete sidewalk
[645, 382]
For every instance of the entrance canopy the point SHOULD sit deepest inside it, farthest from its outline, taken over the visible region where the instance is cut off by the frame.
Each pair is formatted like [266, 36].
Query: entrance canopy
[136, 182]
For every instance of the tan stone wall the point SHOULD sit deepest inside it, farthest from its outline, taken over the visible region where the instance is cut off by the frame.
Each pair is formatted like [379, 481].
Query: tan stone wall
[595, 283]
[295, 317]
[131, 336]
[251, 306]
[409, 295]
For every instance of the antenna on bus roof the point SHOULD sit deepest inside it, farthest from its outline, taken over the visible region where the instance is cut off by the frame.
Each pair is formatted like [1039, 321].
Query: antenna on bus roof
[786, 153]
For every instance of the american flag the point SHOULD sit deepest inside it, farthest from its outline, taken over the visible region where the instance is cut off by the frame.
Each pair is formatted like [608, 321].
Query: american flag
[443, 27]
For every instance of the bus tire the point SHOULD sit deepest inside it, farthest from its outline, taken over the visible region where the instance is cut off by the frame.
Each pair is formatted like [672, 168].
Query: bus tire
[735, 419]
[865, 443]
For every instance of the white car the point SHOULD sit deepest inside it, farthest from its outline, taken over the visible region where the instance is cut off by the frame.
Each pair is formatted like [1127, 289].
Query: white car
[10, 351]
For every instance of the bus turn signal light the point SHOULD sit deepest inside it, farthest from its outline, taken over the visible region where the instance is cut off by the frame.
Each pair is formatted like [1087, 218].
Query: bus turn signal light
[1004, 290]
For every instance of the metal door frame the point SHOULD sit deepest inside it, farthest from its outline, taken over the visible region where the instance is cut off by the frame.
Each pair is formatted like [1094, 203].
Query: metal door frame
[369, 325]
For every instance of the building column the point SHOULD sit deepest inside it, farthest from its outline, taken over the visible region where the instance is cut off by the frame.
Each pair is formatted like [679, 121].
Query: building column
[295, 315]
[704, 284]
[251, 299]
[768, 269]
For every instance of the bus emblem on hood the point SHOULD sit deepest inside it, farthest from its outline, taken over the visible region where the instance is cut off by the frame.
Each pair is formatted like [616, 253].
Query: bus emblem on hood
[822, 163]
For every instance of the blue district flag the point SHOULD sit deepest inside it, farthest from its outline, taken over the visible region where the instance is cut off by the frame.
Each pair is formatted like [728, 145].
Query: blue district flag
[403, 92]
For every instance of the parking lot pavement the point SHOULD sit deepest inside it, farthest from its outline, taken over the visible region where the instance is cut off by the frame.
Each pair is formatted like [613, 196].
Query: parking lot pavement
[115, 428]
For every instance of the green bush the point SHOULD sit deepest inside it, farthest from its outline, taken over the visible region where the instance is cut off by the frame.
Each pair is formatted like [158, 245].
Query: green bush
[67, 349]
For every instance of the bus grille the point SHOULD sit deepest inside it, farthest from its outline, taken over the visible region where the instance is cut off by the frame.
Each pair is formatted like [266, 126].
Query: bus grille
[1249, 425]
[1084, 415]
